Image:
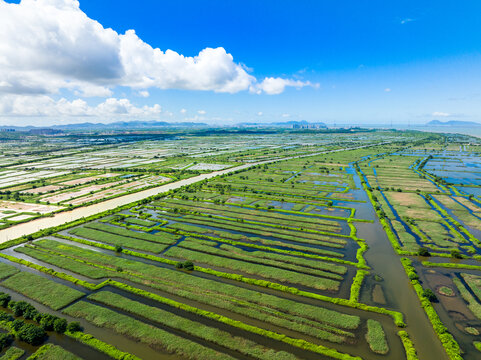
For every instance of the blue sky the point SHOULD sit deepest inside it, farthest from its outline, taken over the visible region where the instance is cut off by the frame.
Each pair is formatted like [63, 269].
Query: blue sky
[360, 61]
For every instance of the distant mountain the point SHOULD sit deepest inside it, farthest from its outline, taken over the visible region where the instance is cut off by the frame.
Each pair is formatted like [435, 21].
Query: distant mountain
[119, 125]
[452, 123]
[290, 124]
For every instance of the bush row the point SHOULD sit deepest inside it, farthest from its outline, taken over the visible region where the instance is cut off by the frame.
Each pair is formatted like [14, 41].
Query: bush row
[408, 346]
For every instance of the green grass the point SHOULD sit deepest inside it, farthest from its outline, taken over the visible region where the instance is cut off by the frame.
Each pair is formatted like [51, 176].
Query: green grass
[246, 212]
[267, 257]
[266, 272]
[45, 291]
[162, 238]
[141, 222]
[474, 283]
[199, 330]
[321, 240]
[101, 346]
[52, 352]
[226, 296]
[142, 332]
[63, 262]
[13, 353]
[445, 290]
[473, 305]
[262, 224]
[259, 230]
[6, 270]
[119, 240]
[376, 337]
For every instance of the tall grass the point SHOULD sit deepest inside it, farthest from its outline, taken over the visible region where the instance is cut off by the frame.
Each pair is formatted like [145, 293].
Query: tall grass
[376, 338]
[45, 291]
[199, 330]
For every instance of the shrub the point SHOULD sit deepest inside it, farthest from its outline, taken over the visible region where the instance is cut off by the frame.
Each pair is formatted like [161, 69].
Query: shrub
[20, 308]
[423, 252]
[188, 265]
[412, 275]
[430, 295]
[17, 324]
[5, 340]
[456, 254]
[4, 299]
[31, 334]
[47, 321]
[60, 325]
[4, 316]
[118, 248]
[74, 327]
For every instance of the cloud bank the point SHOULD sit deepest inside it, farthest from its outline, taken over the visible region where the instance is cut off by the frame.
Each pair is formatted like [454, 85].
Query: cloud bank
[42, 105]
[51, 46]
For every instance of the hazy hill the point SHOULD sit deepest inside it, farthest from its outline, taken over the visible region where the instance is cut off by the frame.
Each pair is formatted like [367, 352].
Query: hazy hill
[452, 123]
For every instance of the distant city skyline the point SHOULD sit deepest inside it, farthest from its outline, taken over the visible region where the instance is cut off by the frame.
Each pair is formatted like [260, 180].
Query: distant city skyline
[218, 62]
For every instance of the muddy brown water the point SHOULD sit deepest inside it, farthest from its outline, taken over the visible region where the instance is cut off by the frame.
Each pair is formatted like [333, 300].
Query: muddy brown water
[453, 311]
[400, 294]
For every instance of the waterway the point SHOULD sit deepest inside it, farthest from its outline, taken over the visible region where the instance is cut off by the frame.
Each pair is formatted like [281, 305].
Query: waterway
[30, 227]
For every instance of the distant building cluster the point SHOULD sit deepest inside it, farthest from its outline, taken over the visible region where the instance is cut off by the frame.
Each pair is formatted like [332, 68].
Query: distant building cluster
[309, 126]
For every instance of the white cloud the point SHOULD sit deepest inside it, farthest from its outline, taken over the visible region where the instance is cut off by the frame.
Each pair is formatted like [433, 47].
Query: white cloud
[440, 114]
[286, 115]
[42, 105]
[91, 90]
[48, 45]
[183, 111]
[260, 113]
[387, 90]
[407, 20]
[202, 112]
[144, 93]
[274, 86]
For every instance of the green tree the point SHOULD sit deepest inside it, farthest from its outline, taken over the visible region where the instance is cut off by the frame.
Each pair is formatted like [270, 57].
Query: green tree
[188, 265]
[4, 300]
[455, 253]
[430, 295]
[74, 327]
[47, 321]
[31, 334]
[60, 325]
[423, 252]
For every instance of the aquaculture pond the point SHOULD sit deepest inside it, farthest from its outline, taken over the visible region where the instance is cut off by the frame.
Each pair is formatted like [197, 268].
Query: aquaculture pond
[357, 251]
[433, 220]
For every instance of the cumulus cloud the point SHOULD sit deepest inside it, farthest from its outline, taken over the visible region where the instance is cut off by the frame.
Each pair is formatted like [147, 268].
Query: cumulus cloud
[260, 113]
[183, 111]
[274, 86]
[387, 90]
[143, 93]
[201, 112]
[42, 105]
[441, 114]
[49, 45]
